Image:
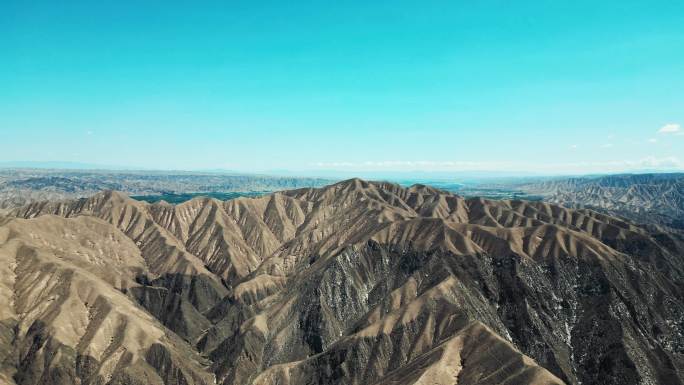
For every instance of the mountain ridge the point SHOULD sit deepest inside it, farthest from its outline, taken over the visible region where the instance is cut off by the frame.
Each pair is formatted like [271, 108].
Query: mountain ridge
[370, 282]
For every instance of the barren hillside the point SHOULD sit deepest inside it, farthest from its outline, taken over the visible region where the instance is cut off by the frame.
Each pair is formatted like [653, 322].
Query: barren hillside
[353, 283]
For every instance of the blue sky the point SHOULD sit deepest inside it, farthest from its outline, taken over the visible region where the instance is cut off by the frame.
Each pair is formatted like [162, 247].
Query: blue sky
[536, 86]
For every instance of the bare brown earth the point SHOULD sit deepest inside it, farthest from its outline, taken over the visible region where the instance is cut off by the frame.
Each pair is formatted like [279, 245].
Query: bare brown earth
[354, 283]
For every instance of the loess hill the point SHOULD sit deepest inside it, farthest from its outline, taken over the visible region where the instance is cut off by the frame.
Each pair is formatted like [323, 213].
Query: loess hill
[354, 283]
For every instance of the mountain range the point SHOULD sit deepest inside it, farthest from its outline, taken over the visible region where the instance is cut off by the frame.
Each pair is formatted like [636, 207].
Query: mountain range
[644, 198]
[22, 186]
[352, 283]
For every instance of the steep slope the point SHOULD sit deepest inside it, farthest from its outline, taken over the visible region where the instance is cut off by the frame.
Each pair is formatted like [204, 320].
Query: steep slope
[371, 283]
[65, 317]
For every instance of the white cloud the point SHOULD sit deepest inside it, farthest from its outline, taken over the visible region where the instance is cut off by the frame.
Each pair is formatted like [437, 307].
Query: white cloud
[670, 128]
[574, 146]
[583, 167]
[607, 145]
[334, 164]
[652, 140]
[412, 165]
[670, 162]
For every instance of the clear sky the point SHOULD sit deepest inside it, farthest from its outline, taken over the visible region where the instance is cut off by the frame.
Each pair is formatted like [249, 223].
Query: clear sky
[543, 86]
